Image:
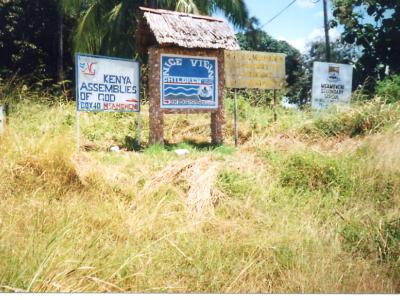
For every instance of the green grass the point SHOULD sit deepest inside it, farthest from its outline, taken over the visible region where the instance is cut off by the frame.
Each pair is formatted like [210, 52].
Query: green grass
[303, 205]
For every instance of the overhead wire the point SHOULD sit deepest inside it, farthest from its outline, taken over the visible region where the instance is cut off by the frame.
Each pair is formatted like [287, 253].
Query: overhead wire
[279, 13]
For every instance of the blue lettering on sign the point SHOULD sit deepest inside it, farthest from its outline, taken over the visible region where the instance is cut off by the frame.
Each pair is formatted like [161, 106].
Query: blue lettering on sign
[189, 82]
[106, 83]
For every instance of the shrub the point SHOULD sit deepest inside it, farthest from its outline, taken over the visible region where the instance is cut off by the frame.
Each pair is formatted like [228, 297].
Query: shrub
[380, 239]
[359, 120]
[389, 89]
[234, 183]
[311, 172]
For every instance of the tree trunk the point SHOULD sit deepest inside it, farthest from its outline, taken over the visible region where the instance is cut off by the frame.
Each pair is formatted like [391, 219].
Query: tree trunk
[60, 47]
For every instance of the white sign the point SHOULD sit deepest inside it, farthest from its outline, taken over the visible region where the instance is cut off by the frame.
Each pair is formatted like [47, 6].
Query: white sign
[331, 84]
[106, 84]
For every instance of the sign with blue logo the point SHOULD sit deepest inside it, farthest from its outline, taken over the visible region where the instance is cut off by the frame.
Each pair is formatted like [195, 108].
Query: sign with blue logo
[189, 82]
[106, 84]
[331, 85]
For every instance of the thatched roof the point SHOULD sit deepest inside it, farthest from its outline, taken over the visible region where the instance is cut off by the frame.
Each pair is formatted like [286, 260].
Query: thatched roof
[169, 28]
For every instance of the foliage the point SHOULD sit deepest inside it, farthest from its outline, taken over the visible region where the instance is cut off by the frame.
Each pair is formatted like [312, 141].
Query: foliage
[372, 25]
[255, 39]
[340, 53]
[363, 119]
[389, 89]
[108, 27]
[26, 45]
[40, 37]
[28, 41]
[312, 172]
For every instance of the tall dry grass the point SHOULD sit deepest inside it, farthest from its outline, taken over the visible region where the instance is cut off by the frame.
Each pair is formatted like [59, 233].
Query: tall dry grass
[267, 217]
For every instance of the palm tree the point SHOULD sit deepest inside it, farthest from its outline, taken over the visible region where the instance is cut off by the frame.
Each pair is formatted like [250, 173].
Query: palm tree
[108, 26]
[70, 8]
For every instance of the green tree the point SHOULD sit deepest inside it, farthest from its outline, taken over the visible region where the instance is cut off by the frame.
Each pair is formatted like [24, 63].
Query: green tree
[108, 26]
[26, 43]
[372, 25]
[32, 39]
[66, 9]
[341, 53]
[255, 39]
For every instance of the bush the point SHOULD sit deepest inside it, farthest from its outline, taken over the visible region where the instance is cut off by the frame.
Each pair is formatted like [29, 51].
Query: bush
[359, 120]
[381, 239]
[389, 89]
[311, 172]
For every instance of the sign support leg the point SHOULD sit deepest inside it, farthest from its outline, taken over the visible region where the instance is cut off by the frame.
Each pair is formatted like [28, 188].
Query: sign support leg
[1, 120]
[139, 125]
[77, 131]
[275, 107]
[7, 113]
[235, 119]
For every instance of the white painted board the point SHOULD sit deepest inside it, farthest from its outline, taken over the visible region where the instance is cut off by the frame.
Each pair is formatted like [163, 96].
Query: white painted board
[188, 82]
[106, 84]
[332, 84]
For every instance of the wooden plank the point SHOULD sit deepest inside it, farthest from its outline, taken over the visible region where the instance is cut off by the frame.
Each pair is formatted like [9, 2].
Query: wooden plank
[250, 69]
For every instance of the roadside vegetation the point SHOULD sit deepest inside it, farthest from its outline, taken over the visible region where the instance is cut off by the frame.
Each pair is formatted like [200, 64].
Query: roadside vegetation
[309, 203]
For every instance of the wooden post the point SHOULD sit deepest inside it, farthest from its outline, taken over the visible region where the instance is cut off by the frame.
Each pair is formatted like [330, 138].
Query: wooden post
[235, 116]
[326, 28]
[275, 107]
[139, 129]
[156, 115]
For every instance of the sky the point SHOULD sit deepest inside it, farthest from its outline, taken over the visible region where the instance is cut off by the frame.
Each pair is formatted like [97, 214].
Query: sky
[301, 23]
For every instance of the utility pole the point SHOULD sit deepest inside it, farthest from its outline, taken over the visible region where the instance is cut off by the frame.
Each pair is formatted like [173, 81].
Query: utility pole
[327, 43]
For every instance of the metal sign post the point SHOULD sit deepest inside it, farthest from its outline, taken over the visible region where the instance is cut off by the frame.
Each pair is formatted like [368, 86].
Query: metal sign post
[254, 70]
[139, 125]
[106, 84]
[1, 119]
[77, 131]
[275, 107]
[235, 113]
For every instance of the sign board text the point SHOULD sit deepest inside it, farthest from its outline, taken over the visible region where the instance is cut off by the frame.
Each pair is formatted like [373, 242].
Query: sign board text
[331, 84]
[188, 82]
[107, 84]
[250, 69]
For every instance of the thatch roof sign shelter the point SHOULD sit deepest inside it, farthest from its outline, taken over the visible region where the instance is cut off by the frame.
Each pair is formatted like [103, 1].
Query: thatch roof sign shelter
[186, 66]
[169, 28]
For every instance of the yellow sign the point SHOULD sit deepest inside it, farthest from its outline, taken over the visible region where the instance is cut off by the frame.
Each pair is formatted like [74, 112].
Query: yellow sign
[254, 70]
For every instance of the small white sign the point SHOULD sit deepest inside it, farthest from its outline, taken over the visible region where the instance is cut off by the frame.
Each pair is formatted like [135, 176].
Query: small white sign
[331, 84]
[106, 84]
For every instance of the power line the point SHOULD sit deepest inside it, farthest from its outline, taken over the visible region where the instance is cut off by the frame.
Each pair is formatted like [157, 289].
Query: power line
[279, 13]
